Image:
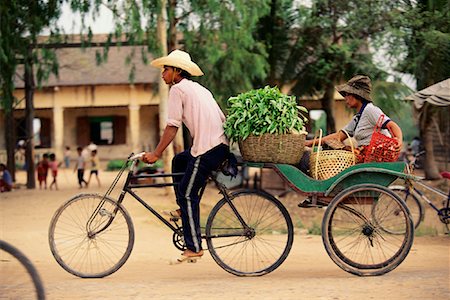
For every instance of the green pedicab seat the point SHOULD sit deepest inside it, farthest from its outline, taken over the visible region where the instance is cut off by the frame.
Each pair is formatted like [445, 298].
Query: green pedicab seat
[366, 173]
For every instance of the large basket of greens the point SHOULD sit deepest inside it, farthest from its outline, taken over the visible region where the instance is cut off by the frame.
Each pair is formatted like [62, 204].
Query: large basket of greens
[268, 125]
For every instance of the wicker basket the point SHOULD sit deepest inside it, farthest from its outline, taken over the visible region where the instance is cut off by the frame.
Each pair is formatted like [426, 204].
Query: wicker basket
[274, 148]
[329, 163]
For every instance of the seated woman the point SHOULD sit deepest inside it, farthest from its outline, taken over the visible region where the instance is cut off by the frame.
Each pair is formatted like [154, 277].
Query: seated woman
[357, 96]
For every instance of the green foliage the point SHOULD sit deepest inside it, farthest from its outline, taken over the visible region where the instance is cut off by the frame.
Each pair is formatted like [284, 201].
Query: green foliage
[421, 30]
[331, 44]
[261, 111]
[117, 164]
[219, 36]
[315, 229]
[21, 23]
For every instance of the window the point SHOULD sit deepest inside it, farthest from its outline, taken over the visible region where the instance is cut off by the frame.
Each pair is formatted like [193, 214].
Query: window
[109, 130]
[41, 135]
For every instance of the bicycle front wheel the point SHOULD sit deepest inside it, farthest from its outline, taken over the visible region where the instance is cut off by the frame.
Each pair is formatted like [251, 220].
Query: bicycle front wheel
[414, 205]
[251, 235]
[367, 230]
[20, 279]
[91, 236]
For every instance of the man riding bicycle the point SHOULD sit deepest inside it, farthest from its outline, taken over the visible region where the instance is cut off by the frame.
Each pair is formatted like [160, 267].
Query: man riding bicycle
[194, 105]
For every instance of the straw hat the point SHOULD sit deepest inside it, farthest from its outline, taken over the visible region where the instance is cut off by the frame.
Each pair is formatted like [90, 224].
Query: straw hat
[178, 59]
[359, 85]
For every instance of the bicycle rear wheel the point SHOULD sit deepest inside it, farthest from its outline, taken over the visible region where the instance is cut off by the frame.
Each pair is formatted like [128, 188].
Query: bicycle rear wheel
[367, 230]
[258, 249]
[414, 205]
[95, 250]
[19, 278]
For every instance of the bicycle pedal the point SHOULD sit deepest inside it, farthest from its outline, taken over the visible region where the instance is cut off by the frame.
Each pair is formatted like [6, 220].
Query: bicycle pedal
[183, 259]
[175, 219]
[306, 203]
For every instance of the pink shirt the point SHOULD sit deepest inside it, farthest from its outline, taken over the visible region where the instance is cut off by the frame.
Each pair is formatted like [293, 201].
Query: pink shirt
[192, 104]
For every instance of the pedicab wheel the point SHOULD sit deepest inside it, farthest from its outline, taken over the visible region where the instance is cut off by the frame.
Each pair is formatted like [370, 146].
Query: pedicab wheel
[255, 249]
[91, 236]
[367, 230]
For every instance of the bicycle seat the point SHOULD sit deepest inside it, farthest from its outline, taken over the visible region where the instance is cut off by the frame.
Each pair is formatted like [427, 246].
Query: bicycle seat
[445, 174]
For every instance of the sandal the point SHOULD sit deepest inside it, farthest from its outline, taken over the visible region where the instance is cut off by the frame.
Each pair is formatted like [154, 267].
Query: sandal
[187, 258]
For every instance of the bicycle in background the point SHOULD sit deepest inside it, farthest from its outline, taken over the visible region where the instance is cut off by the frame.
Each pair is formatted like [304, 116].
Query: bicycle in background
[414, 197]
[19, 278]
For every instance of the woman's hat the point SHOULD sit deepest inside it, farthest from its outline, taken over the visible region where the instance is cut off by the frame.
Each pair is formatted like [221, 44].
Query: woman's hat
[359, 85]
[178, 59]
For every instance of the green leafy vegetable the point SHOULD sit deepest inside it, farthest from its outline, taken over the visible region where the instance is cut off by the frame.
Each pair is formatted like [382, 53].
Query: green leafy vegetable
[261, 111]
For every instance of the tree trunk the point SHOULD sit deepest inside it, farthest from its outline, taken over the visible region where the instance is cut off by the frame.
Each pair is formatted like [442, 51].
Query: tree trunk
[178, 143]
[29, 117]
[328, 106]
[272, 59]
[430, 167]
[10, 141]
[172, 41]
[163, 92]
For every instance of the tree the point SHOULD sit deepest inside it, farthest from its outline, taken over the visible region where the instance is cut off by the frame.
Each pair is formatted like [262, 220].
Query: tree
[20, 25]
[324, 44]
[422, 31]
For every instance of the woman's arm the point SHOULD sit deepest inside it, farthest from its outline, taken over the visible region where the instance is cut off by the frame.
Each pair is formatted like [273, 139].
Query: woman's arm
[341, 136]
[397, 133]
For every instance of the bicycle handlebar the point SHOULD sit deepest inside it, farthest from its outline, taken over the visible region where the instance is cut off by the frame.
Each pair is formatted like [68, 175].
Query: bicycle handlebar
[136, 156]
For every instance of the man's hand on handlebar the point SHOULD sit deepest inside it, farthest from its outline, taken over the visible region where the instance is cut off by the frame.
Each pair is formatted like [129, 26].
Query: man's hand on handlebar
[150, 157]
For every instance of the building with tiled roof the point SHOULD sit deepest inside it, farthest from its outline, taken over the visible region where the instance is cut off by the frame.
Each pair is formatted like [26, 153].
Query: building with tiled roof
[88, 102]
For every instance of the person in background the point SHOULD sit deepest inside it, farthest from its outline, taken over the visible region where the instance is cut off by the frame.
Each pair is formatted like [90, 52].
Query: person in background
[95, 165]
[416, 145]
[42, 171]
[6, 182]
[191, 104]
[53, 164]
[67, 154]
[79, 167]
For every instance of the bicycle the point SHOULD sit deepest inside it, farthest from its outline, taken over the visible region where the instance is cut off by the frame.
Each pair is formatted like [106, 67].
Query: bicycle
[413, 196]
[13, 283]
[248, 233]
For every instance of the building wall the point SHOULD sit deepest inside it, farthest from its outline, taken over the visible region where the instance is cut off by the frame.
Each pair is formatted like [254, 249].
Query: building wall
[63, 105]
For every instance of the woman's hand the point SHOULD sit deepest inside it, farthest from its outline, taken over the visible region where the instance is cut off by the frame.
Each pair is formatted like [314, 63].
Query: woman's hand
[399, 145]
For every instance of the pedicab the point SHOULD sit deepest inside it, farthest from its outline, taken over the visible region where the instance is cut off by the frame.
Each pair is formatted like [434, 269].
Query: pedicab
[367, 229]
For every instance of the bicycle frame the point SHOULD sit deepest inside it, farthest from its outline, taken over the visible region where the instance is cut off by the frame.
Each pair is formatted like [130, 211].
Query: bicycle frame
[128, 188]
[412, 187]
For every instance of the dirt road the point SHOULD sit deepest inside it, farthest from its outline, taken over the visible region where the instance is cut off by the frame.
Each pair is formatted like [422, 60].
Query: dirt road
[308, 273]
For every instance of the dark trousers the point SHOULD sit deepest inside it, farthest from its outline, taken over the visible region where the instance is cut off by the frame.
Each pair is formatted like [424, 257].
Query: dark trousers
[80, 173]
[196, 171]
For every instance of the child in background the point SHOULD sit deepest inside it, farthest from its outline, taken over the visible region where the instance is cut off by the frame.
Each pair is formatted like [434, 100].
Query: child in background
[42, 171]
[95, 164]
[67, 154]
[6, 181]
[79, 167]
[53, 165]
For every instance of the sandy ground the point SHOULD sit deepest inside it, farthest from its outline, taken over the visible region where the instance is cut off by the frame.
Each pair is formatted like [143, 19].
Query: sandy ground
[308, 272]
